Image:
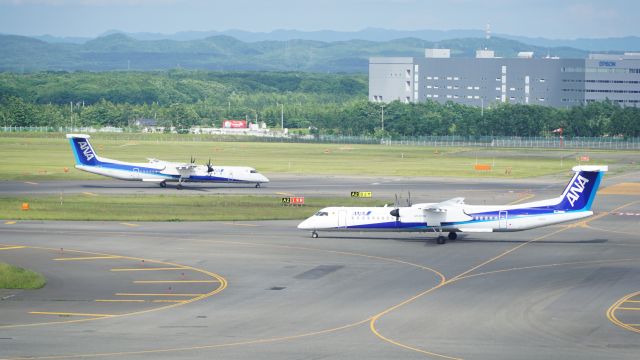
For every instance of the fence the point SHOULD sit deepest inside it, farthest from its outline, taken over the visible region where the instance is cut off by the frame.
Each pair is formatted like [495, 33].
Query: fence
[605, 143]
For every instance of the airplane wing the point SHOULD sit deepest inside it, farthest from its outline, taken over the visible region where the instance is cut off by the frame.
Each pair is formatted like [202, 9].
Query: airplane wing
[443, 206]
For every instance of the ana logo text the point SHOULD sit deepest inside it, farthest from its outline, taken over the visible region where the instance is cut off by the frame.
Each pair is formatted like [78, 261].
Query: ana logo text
[86, 150]
[362, 213]
[576, 189]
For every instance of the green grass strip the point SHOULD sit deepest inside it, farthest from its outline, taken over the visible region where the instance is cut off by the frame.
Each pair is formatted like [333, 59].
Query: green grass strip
[39, 159]
[167, 207]
[13, 277]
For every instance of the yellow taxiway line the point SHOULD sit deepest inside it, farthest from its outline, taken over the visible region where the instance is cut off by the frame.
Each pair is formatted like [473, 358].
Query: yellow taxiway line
[173, 281]
[69, 314]
[167, 294]
[87, 258]
[12, 247]
[119, 300]
[151, 269]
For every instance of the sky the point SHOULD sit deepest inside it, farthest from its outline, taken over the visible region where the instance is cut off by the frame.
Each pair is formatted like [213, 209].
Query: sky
[554, 19]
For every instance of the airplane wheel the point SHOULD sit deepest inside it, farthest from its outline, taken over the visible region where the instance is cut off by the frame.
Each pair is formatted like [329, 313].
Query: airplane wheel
[441, 240]
[314, 235]
[453, 235]
[179, 186]
[163, 184]
[257, 185]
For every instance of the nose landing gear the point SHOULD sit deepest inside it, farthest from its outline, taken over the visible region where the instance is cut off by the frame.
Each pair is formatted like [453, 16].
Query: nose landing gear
[314, 234]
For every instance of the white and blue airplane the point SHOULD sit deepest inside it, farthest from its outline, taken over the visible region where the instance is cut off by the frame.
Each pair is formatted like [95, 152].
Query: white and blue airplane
[158, 171]
[455, 216]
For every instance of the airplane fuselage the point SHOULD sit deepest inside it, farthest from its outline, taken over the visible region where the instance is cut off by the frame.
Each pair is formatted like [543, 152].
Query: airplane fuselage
[413, 219]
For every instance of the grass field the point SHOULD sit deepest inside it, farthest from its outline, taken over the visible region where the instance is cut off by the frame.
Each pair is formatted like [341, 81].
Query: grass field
[166, 207]
[13, 277]
[33, 158]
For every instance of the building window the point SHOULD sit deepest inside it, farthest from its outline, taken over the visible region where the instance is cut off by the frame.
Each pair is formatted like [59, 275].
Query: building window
[435, 95]
[449, 78]
[542, 80]
[476, 87]
[429, 78]
[435, 78]
[457, 78]
[498, 88]
[408, 73]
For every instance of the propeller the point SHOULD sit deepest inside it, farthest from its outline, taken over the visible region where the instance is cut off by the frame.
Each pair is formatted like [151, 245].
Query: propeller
[395, 212]
[209, 167]
[409, 203]
[193, 160]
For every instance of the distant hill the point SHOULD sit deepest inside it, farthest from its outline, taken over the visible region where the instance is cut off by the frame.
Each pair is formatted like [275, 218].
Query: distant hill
[628, 43]
[121, 52]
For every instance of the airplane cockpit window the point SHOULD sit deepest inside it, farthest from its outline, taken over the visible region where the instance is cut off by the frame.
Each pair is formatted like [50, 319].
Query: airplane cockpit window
[322, 213]
[253, 171]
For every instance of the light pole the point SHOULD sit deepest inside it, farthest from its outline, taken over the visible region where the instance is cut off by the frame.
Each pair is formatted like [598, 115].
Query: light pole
[481, 106]
[282, 116]
[382, 116]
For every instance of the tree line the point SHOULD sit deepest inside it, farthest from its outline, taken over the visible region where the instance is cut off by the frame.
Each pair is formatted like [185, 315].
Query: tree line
[325, 103]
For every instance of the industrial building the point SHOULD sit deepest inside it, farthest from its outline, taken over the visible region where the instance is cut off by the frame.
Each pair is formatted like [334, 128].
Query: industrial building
[487, 79]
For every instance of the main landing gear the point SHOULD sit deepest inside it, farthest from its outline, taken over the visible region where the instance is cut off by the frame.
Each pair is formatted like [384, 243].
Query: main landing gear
[443, 240]
[257, 185]
[314, 234]
[163, 184]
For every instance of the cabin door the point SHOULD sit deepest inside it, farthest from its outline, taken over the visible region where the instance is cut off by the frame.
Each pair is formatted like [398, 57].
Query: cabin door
[502, 219]
[342, 218]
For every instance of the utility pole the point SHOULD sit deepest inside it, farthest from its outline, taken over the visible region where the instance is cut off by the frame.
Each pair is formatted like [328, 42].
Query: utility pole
[382, 116]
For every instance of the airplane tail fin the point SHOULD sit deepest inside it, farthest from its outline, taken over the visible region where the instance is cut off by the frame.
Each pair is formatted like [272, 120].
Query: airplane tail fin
[581, 190]
[82, 150]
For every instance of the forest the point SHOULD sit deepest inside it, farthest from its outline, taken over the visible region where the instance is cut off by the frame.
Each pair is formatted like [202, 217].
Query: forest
[324, 103]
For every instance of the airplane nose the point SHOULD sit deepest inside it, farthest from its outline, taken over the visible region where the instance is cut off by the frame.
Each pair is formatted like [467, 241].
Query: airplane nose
[264, 179]
[305, 225]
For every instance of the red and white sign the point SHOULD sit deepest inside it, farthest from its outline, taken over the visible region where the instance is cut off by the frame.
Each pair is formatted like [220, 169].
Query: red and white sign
[585, 158]
[234, 124]
[299, 200]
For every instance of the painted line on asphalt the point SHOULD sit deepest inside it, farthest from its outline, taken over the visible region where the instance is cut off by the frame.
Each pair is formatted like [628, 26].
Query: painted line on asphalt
[150, 269]
[166, 294]
[69, 314]
[86, 258]
[31, 183]
[129, 224]
[90, 193]
[611, 313]
[10, 222]
[221, 280]
[172, 281]
[119, 300]
[12, 247]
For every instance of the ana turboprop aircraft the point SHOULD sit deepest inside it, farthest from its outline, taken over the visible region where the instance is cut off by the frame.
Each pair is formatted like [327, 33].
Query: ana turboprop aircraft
[455, 216]
[158, 171]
